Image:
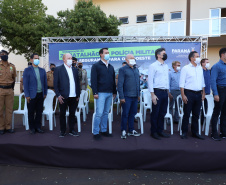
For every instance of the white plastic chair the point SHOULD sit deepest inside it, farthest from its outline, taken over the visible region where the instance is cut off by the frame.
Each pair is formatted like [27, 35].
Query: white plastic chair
[20, 111]
[118, 103]
[78, 110]
[139, 117]
[168, 116]
[208, 114]
[87, 101]
[48, 109]
[147, 102]
[83, 103]
[110, 117]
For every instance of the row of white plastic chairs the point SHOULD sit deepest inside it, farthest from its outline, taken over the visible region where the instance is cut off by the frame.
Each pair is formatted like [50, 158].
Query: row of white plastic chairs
[49, 111]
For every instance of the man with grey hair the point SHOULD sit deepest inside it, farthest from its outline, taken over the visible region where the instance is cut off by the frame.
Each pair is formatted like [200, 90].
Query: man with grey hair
[129, 93]
[67, 89]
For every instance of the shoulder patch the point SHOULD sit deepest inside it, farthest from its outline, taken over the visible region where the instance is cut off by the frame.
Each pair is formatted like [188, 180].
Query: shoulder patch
[12, 64]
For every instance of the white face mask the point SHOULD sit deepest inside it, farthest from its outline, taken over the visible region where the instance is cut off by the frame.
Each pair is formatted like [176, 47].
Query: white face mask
[207, 65]
[132, 62]
[178, 68]
[197, 60]
[69, 62]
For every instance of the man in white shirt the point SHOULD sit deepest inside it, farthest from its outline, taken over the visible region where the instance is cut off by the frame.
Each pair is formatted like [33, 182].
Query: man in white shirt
[67, 89]
[158, 85]
[192, 87]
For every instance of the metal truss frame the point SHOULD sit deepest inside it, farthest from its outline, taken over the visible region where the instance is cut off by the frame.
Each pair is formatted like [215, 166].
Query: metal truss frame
[47, 40]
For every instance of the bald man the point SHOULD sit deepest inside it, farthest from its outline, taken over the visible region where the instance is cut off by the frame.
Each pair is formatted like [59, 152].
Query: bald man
[67, 89]
[129, 93]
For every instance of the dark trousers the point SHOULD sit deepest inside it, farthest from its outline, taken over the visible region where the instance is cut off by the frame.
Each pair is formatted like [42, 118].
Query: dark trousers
[219, 108]
[129, 110]
[35, 109]
[193, 105]
[159, 111]
[72, 103]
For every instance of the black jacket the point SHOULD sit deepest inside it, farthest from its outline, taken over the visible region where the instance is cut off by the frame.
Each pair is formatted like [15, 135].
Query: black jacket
[61, 81]
[103, 78]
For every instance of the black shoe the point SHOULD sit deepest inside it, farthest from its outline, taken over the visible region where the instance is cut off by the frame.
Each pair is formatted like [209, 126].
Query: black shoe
[32, 131]
[162, 134]
[184, 136]
[62, 134]
[215, 137]
[97, 137]
[223, 136]
[155, 136]
[106, 134]
[39, 130]
[2, 132]
[73, 133]
[10, 131]
[196, 135]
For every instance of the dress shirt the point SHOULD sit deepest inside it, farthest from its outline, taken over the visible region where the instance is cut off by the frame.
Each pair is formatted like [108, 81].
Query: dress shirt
[218, 76]
[72, 92]
[174, 79]
[105, 63]
[192, 77]
[158, 76]
[206, 74]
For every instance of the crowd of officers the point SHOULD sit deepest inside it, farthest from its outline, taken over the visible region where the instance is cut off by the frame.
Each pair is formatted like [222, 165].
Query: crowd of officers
[7, 82]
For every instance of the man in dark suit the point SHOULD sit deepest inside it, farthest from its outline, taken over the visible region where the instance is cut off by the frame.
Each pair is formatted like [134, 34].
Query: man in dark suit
[67, 89]
[35, 89]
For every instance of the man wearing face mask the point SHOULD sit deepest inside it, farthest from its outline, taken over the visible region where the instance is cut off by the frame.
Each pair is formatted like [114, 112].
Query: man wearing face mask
[192, 87]
[50, 77]
[67, 89]
[7, 82]
[174, 89]
[158, 85]
[206, 72]
[218, 85]
[129, 94]
[83, 74]
[35, 90]
[103, 86]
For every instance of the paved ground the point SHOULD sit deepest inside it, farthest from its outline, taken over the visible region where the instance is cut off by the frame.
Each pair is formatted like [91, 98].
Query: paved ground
[18, 175]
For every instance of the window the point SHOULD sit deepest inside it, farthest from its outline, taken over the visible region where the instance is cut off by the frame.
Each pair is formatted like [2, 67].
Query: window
[158, 17]
[124, 20]
[141, 18]
[176, 15]
[19, 75]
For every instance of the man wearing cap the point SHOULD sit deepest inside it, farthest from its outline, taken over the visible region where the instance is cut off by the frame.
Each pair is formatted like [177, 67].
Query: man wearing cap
[7, 82]
[50, 78]
[83, 76]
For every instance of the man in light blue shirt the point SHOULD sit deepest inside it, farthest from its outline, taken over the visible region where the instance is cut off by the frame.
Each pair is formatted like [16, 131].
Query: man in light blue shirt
[174, 89]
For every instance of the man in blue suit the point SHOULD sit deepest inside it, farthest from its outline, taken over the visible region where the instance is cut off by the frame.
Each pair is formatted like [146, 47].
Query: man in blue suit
[67, 89]
[35, 89]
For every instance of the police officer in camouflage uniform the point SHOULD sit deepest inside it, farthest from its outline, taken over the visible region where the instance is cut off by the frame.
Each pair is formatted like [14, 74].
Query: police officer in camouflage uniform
[7, 82]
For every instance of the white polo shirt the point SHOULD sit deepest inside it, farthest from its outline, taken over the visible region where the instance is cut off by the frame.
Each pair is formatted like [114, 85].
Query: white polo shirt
[192, 77]
[72, 92]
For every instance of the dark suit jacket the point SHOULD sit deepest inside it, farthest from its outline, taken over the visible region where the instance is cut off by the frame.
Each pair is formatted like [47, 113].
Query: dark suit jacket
[61, 81]
[30, 82]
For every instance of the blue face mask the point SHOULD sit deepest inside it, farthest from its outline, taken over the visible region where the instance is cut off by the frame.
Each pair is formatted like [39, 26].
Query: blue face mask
[36, 62]
[106, 57]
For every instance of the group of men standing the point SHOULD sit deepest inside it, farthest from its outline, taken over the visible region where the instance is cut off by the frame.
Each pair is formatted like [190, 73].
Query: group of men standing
[192, 83]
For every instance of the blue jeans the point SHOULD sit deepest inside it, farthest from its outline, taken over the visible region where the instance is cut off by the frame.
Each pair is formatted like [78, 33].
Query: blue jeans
[103, 106]
[129, 110]
[159, 111]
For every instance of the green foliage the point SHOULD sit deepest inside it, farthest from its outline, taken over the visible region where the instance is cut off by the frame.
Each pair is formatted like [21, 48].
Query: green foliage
[24, 22]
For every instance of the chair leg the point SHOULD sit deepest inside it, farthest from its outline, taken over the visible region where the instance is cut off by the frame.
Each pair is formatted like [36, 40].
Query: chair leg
[207, 126]
[79, 123]
[26, 121]
[171, 123]
[110, 123]
[43, 120]
[50, 121]
[145, 112]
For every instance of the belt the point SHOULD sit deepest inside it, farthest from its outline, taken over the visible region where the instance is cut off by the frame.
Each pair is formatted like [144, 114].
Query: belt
[157, 89]
[50, 87]
[221, 87]
[6, 86]
[196, 92]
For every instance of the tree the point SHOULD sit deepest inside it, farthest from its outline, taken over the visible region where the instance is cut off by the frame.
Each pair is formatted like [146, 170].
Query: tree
[24, 22]
[20, 22]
